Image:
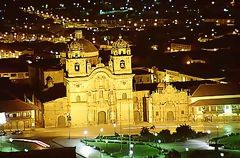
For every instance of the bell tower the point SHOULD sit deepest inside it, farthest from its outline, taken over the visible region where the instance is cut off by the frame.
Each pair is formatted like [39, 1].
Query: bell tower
[76, 64]
[121, 57]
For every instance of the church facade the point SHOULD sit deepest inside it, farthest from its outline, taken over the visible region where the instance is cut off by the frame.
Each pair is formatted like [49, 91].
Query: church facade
[98, 93]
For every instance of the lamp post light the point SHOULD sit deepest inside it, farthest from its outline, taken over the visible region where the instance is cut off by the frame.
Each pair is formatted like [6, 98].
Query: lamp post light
[106, 142]
[131, 150]
[208, 132]
[155, 138]
[114, 126]
[217, 131]
[11, 140]
[69, 119]
[85, 135]
[159, 141]
[101, 132]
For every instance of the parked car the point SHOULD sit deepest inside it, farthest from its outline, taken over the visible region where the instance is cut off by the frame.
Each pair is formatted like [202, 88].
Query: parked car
[2, 133]
[17, 132]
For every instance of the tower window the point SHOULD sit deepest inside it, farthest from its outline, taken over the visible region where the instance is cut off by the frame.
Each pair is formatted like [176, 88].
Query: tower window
[124, 96]
[77, 66]
[78, 98]
[122, 64]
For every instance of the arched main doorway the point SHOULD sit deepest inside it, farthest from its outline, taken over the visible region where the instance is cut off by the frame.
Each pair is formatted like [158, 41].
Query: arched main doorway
[170, 116]
[61, 121]
[137, 116]
[101, 117]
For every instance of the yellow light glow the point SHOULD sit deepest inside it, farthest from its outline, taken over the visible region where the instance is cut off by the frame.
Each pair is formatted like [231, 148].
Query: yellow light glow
[2, 118]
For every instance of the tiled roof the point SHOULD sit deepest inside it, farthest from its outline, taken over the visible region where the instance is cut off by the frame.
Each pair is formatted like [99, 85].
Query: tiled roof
[216, 90]
[15, 105]
[223, 101]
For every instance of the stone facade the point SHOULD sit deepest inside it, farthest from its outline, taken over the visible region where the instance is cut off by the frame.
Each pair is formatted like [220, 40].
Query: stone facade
[166, 105]
[55, 113]
[99, 94]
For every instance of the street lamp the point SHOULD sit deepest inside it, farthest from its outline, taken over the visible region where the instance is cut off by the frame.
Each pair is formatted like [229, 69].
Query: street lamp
[85, 133]
[69, 119]
[208, 132]
[101, 132]
[131, 150]
[217, 131]
[114, 126]
[155, 138]
[11, 140]
[106, 141]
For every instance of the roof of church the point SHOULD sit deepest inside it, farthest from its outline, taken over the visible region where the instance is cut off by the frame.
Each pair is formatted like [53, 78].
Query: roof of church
[82, 44]
[222, 101]
[216, 90]
[120, 43]
[55, 92]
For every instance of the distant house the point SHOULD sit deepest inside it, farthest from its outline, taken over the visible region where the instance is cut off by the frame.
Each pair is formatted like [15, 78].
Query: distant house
[13, 69]
[143, 75]
[216, 102]
[19, 114]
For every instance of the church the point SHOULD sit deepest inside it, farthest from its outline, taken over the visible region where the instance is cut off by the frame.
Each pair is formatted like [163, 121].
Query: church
[95, 93]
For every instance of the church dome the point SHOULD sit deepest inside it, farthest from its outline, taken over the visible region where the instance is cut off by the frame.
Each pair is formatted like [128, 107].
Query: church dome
[81, 44]
[120, 43]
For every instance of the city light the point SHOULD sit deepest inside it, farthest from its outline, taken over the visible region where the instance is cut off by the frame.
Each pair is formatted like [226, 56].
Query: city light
[2, 118]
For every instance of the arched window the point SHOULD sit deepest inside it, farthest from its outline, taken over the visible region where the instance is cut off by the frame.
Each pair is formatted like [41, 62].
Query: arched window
[122, 64]
[78, 98]
[77, 66]
[124, 96]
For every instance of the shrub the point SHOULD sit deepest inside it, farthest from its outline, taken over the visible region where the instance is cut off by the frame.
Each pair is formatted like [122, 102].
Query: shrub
[185, 131]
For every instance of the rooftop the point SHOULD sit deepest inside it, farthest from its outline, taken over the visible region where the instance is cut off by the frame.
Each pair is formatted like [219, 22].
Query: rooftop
[216, 90]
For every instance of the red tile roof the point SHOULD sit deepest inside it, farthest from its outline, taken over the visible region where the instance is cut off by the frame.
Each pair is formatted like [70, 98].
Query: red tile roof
[15, 105]
[222, 101]
[216, 90]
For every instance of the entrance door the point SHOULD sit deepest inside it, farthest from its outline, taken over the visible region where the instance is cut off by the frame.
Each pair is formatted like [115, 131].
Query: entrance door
[61, 121]
[137, 116]
[170, 116]
[102, 117]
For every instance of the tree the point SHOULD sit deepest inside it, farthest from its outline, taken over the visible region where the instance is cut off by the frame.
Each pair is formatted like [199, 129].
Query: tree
[165, 135]
[146, 134]
[185, 131]
[173, 154]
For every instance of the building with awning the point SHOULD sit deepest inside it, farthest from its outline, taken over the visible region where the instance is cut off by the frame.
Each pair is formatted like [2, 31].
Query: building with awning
[216, 102]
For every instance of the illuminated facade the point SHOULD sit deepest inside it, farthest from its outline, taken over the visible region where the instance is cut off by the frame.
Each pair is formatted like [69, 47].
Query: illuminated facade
[165, 104]
[216, 102]
[98, 93]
